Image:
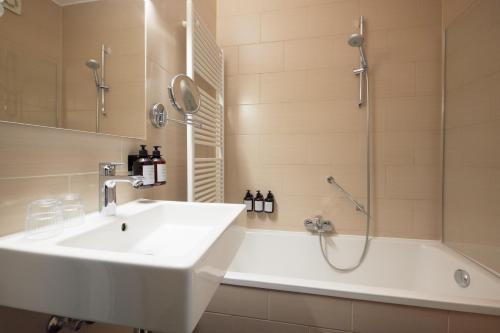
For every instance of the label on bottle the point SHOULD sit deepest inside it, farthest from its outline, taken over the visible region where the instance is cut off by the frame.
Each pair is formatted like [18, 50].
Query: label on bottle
[249, 205]
[259, 206]
[148, 172]
[268, 206]
[161, 170]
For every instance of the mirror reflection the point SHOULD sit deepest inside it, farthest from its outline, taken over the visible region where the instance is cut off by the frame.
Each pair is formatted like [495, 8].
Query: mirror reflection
[184, 94]
[75, 65]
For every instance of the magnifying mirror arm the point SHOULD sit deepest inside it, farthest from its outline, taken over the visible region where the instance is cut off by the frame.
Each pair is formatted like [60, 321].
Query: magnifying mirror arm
[185, 122]
[159, 117]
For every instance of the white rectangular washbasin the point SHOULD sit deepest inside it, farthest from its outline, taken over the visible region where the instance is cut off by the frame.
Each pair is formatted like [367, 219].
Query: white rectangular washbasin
[155, 265]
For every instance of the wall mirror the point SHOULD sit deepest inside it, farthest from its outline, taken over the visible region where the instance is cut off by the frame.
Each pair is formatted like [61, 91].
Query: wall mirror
[75, 65]
[471, 200]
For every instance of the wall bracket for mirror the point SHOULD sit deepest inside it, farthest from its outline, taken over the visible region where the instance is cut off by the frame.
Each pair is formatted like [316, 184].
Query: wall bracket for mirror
[159, 117]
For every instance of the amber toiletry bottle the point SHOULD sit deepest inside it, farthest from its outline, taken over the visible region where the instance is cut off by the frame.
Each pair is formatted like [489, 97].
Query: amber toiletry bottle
[248, 201]
[160, 167]
[269, 203]
[259, 202]
[143, 166]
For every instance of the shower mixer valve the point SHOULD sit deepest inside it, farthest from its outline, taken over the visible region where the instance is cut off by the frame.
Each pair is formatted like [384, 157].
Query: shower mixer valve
[318, 224]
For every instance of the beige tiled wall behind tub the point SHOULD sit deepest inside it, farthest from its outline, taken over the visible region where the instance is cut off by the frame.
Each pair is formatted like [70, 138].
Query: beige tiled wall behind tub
[292, 118]
[39, 162]
[248, 310]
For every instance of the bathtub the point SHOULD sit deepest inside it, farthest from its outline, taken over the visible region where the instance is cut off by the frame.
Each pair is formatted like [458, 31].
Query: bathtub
[398, 271]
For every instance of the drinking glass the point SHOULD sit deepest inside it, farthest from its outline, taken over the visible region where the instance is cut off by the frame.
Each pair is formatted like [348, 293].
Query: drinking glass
[73, 210]
[44, 218]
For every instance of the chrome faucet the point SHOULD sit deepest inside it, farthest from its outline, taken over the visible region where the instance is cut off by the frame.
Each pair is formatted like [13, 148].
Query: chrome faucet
[107, 186]
[318, 225]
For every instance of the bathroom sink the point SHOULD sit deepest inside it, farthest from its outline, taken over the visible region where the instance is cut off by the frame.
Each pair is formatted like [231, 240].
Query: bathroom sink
[155, 265]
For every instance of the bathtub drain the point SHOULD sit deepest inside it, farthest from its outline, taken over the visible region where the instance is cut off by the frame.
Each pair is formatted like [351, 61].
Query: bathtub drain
[462, 278]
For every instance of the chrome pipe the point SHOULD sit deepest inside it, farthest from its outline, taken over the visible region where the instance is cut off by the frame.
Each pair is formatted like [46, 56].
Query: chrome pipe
[103, 88]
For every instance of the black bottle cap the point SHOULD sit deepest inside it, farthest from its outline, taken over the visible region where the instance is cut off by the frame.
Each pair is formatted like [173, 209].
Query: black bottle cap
[143, 152]
[156, 152]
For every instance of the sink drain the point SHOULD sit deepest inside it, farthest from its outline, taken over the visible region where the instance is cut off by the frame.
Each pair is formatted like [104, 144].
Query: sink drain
[124, 226]
[462, 278]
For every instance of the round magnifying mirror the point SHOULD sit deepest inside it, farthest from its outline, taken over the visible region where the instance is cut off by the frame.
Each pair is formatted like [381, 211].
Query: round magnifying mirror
[184, 94]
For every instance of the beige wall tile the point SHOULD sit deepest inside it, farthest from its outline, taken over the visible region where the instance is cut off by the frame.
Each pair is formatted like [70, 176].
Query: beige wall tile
[230, 60]
[384, 318]
[283, 149]
[244, 29]
[284, 24]
[427, 219]
[244, 89]
[306, 180]
[395, 217]
[323, 52]
[387, 14]
[394, 80]
[260, 58]
[246, 302]
[337, 17]
[332, 84]
[283, 87]
[310, 310]
[453, 8]
[87, 186]
[428, 79]
[51, 155]
[412, 182]
[17, 193]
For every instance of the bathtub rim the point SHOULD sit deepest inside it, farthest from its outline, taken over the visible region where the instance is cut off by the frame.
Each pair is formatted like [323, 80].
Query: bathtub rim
[369, 293]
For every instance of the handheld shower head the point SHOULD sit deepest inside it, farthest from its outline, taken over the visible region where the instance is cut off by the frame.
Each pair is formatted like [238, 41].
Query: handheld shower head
[356, 40]
[94, 66]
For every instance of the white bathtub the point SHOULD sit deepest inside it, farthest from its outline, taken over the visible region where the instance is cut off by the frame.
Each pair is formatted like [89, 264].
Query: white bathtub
[400, 271]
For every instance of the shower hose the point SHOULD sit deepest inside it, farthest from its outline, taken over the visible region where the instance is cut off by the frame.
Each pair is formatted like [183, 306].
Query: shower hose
[367, 212]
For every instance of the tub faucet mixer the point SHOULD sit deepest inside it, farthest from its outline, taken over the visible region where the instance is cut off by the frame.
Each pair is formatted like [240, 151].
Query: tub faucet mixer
[318, 225]
[107, 186]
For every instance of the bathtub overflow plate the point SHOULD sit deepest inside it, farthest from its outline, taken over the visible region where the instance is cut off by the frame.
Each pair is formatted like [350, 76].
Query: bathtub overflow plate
[462, 278]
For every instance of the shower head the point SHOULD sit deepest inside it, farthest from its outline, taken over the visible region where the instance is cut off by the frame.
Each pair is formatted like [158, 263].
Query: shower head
[356, 40]
[94, 66]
